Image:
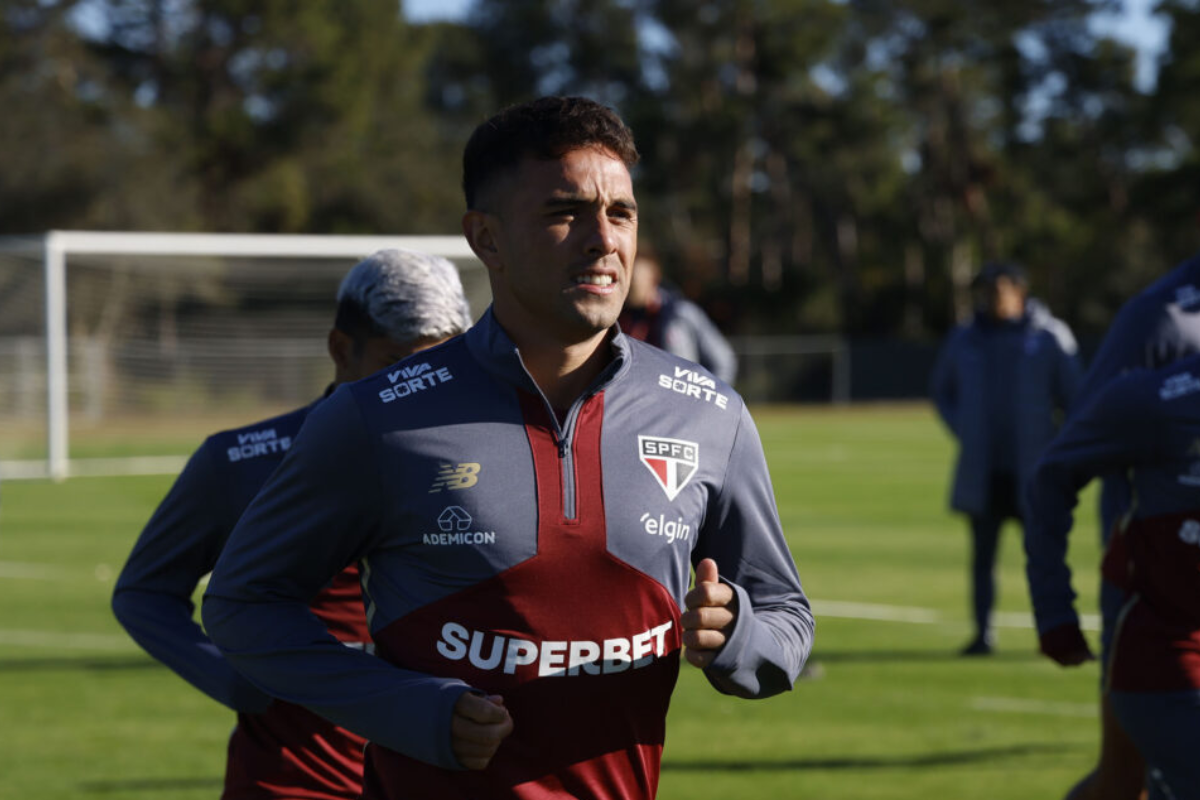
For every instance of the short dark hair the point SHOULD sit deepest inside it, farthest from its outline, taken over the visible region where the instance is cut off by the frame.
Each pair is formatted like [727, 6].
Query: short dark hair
[546, 128]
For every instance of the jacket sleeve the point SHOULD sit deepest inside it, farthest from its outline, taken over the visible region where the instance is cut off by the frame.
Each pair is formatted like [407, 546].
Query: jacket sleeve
[1116, 430]
[773, 633]
[153, 596]
[1123, 348]
[943, 384]
[320, 512]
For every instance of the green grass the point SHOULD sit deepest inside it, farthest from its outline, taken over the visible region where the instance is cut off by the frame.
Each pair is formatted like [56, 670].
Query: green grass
[862, 497]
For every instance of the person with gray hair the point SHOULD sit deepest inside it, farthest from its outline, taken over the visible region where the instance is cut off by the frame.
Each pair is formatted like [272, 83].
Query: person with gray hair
[404, 295]
[390, 305]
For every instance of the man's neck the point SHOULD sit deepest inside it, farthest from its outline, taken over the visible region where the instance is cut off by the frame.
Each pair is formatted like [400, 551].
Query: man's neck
[564, 371]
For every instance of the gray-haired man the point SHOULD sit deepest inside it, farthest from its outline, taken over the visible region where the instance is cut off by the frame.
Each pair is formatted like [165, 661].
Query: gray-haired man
[389, 306]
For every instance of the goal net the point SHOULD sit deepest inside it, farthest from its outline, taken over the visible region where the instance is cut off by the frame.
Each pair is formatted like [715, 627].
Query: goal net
[120, 352]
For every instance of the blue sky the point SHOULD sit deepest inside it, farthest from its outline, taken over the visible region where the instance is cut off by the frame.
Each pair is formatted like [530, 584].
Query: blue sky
[1136, 26]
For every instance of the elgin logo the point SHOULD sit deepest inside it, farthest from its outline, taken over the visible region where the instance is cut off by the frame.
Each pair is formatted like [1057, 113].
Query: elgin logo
[672, 462]
[456, 476]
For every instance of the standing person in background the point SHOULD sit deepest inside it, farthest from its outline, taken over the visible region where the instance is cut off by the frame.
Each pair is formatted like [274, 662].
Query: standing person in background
[1156, 327]
[666, 319]
[528, 501]
[1145, 424]
[1001, 383]
[389, 306]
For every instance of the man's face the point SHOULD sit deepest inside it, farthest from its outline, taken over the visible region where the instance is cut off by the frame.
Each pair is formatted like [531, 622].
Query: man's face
[374, 353]
[1007, 299]
[559, 244]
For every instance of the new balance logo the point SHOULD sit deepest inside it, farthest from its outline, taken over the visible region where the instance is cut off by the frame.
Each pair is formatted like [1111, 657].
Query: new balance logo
[456, 476]
[694, 384]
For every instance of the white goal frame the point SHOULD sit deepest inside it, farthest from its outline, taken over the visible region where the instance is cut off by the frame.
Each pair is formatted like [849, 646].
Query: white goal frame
[54, 247]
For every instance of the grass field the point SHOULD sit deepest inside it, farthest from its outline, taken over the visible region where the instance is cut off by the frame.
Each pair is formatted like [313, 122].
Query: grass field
[896, 714]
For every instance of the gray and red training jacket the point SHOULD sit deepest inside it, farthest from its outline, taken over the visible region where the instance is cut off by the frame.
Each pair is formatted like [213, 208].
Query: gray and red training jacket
[277, 750]
[1155, 327]
[505, 551]
[1145, 424]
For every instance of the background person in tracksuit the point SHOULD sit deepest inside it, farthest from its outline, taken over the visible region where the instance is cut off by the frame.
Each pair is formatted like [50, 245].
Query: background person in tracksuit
[392, 304]
[527, 501]
[664, 318]
[1145, 424]
[1000, 384]
[1156, 327]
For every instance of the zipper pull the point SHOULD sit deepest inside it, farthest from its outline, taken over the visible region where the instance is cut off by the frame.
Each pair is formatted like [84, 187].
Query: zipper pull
[562, 446]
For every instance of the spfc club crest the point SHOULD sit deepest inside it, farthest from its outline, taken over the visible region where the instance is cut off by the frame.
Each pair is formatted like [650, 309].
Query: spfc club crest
[673, 462]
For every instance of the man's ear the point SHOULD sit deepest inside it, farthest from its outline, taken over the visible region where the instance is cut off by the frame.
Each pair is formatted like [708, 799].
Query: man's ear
[341, 350]
[480, 229]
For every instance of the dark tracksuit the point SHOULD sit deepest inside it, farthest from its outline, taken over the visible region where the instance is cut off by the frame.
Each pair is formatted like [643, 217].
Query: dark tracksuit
[509, 553]
[1145, 425]
[1000, 388]
[277, 750]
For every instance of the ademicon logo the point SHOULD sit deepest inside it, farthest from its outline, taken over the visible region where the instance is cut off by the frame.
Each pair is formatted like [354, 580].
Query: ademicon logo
[672, 462]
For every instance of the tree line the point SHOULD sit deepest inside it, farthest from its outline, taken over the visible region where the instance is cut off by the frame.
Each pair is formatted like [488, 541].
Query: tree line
[808, 165]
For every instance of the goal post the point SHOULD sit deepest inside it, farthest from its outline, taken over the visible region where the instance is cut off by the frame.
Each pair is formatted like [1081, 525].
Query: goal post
[124, 331]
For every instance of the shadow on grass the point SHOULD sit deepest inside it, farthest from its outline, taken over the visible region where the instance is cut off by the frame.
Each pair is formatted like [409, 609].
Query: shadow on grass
[151, 785]
[919, 656]
[77, 664]
[869, 762]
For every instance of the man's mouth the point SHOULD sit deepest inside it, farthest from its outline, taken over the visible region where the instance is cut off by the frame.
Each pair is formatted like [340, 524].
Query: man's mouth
[594, 280]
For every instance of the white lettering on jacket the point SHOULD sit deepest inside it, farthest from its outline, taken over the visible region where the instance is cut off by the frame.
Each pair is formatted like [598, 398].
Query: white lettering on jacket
[693, 384]
[409, 380]
[258, 443]
[489, 651]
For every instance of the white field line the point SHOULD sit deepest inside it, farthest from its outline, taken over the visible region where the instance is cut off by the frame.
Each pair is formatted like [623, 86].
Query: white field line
[50, 572]
[34, 572]
[67, 641]
[95, 467]
[926, 616]
[1017, 705]
[874, 612]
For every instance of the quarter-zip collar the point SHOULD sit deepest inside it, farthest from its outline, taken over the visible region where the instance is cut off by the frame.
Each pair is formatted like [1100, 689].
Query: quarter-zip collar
[492, 348]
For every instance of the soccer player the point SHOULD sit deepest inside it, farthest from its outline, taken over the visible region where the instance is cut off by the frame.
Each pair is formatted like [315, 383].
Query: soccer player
[1156, 327]
[388, 306]
[527, 501]
[1146, 423]
[1000, 383]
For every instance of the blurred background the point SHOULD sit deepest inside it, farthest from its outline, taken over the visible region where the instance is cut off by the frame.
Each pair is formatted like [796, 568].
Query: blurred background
[813, 168]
